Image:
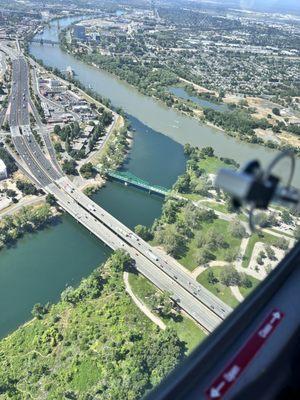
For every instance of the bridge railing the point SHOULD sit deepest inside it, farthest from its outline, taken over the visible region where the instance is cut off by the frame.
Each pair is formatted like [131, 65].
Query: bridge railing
[128, 177]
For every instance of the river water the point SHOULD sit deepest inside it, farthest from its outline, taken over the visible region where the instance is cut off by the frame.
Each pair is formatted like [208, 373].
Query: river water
[41, 265]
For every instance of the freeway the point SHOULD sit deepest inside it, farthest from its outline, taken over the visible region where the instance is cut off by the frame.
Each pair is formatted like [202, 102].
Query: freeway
[192, 297]
[171, 269]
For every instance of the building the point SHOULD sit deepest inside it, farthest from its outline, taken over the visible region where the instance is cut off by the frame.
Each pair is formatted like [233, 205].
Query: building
[79, 32]
[55, 86]
[3, 170]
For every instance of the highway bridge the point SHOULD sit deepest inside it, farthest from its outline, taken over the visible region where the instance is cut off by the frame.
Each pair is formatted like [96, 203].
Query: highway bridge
[193, 298]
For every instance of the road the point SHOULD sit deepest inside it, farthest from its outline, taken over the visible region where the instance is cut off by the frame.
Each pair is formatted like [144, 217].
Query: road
[198, 302]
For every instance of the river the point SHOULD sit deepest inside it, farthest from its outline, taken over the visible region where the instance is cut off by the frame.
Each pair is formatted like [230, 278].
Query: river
[41, 265]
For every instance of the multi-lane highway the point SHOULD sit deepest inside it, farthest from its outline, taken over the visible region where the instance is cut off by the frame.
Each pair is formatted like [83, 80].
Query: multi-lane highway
[192, 297]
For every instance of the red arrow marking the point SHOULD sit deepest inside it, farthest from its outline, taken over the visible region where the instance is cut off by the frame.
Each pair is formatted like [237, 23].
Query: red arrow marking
[233, 370]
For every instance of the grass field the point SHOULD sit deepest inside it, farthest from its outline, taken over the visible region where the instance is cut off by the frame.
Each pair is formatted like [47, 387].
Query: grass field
[246, 291]
[221, 291]
[211, 165]
[187, 330]
[221, 226]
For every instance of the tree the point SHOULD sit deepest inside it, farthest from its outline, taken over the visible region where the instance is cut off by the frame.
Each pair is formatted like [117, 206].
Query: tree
[276, 111]
[207, 151]
[8, 161]
[51, 200]
[270, 253]
[237, 229]
[230, 277]
[87, 170]
[188, 149]
[57, 129]
[215, 240]
[183, 184]
[204, 256]
[246, 282]
[39, 311]
[172, 241]
[143, 232]
[26, 188]
[281, 243]
[58, 147]
[211, 278]
[69, 167]
[169, 210]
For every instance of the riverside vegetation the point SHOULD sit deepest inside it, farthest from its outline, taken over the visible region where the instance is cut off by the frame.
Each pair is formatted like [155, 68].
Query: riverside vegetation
[27, 220]
[155, 80]
[94, 344]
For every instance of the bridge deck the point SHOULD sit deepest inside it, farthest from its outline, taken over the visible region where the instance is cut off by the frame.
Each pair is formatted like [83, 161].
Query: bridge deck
[131, 179]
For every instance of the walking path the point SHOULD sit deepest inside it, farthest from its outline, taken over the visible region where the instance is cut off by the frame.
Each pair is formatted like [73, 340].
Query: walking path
[237, 294]
[154, 318]
[23, 203]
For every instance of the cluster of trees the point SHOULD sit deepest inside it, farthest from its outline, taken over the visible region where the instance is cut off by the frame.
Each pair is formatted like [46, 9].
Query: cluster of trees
[237, 121]
[116, 150]
[147, 77]
[229, 277]
[38, 106]
[161, 303]
[28, 219]
[195, 180]
[293, 128]
[144, 232]
[26, 188]
[12, 194]
[68, 134]
[69, 167]
[87, 170]
[177, 226]
[90, 288]
[39, 311]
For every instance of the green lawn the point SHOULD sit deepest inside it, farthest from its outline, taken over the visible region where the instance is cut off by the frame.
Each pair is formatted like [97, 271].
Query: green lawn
[220, 226]
[216, 206]
[220, 290]
[192, 196]
[246, 291]
[187, 330]
[262, 237]
[211, 165]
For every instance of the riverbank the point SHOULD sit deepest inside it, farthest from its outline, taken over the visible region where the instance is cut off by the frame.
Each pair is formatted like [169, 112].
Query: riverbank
[249, 135]
[28, 220]
[58, 342]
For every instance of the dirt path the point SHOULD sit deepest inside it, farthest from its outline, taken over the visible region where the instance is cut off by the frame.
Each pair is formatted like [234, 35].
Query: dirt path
[141, 305]
[237, 294]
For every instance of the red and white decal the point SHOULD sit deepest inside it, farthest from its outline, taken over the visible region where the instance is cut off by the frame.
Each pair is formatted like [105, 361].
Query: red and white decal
[233, 370]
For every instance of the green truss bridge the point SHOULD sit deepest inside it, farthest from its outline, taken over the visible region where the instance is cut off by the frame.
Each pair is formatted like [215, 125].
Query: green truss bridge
[129, 179]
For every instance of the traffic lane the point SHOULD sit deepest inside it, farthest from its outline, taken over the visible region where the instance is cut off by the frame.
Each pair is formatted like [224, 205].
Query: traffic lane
[187, 302]
[172, 270]
[31, 163]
